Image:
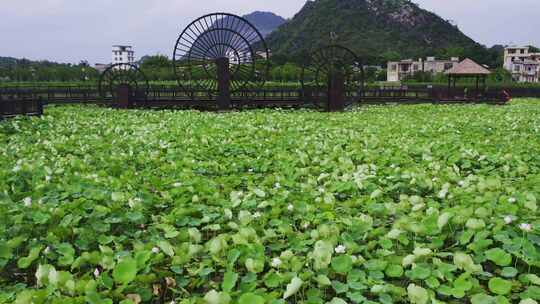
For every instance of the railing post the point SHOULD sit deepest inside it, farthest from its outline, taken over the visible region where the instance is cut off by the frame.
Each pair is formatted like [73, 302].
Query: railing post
[123, 93]
[24, 108]
[336, 93]
[40, 106]
[224, 84]
[2, 110]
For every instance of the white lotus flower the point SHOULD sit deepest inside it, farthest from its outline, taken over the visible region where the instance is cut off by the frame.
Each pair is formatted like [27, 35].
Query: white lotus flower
[96, 273]
[228, 214]
[461, 183]
[526, 227]
[48, 178]
[27, 201]
[155, 250]
[257, 214]
[443, 193]
[276, 262]
[408, 260]
[394, 234]
[290, 207]
[340, 249]
[305, 226]
[277, 185]
[177, 185]
[508, 219]
[47, 250]
[133, 202]
[512, 200]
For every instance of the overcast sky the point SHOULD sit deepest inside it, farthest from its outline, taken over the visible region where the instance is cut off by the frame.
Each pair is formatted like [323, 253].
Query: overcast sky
[73, 30]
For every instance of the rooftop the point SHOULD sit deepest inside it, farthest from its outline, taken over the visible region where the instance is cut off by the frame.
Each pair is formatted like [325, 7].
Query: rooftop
[468, 67]
[516, 47]
[428, 59]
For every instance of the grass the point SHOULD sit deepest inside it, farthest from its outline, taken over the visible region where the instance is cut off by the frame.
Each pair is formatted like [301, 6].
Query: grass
[383, 204]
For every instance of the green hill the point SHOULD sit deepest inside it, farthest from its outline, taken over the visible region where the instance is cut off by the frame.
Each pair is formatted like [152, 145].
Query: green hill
[265, 22]
[378, 30]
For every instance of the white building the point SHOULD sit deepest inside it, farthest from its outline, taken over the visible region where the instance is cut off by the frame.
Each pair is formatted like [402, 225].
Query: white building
[400, 70]
[524, 65]
[122, 54]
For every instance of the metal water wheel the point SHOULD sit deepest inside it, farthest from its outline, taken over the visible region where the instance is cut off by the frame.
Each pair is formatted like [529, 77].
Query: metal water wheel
[323, 67]
[214, 38]
[123, 74]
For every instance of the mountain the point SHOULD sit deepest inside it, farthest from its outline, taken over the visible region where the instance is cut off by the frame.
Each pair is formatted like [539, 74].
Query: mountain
[265, 22]
[378, 30]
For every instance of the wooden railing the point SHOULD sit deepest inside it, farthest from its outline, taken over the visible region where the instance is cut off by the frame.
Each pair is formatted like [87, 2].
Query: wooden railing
[29, 107]
[28, 100]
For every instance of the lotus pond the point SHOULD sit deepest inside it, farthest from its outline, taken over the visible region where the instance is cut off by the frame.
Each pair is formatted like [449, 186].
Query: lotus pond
[396, 204]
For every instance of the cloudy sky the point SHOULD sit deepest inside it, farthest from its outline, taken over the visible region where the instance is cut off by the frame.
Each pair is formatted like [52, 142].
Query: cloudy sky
[73, 30]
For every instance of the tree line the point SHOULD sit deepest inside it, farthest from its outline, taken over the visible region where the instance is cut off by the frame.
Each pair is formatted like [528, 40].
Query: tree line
[282, 69]
[24, 70]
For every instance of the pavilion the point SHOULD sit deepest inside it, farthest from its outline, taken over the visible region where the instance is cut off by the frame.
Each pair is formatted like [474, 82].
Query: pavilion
[468, 69]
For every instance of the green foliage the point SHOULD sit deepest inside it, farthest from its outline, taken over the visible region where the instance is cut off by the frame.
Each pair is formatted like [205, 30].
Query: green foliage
[24, 70]
[250, 298]
[125, 271]
[419, 204]
[286, 73]
[534, 49]
[499, 256]
[500, 286]
[342, 264]
[157, 68]
[155, 61]
[229, 281]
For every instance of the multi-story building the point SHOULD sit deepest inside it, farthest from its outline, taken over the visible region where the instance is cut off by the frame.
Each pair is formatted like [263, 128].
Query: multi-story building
[122, 54]
[523, 64]
[400, 70]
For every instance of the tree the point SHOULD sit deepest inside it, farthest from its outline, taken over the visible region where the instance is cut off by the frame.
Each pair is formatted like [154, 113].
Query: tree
[534, 49]
[370, 74]
[26, 70]
[155, 61]
[450, 52]
[500, 75]
[391, 56]
[421, 76]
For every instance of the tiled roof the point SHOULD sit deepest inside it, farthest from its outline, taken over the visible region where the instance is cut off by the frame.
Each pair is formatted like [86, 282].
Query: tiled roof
[468, 67]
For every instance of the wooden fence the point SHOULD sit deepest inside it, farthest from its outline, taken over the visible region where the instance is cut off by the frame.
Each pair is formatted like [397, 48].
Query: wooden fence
[28, 100]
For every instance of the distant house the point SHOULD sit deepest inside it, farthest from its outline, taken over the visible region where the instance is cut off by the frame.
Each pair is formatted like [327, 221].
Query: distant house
[522, 64]
[263, 54]
[101, 67]
[123, 54]
[399, 70]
